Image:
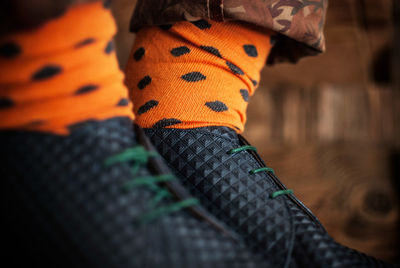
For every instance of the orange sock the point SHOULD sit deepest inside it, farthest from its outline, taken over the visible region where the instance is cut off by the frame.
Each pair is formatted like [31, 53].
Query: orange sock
[62, 73]
[195, 74]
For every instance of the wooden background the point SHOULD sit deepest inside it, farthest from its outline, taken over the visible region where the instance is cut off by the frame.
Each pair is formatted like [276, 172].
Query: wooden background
[330, 125]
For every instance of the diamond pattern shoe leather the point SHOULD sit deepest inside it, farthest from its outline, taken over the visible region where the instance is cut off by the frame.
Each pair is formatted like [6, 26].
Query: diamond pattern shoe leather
[235, 185]
[66, 205]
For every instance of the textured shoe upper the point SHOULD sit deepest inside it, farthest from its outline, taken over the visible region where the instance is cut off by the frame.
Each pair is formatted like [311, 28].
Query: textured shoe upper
[66, 208]
[281, 228]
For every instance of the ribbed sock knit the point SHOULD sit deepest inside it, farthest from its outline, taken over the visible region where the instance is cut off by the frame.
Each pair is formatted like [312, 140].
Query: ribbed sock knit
[62, 73]
[195, 74]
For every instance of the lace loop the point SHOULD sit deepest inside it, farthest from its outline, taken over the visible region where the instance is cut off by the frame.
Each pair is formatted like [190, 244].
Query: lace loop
[281, 192]
[162, 211]
[138, 154]
[150, 181]
[258, 170]
[242, 148]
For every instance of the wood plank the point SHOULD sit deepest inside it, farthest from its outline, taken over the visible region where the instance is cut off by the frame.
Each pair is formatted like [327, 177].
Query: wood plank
[293, 115]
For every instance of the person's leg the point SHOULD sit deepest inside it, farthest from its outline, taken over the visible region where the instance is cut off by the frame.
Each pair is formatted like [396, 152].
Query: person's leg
[82, 188]
[199, 78]
[190, 83]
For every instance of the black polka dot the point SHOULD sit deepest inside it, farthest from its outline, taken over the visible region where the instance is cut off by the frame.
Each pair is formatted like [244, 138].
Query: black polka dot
[139, 53]
[193, 77]
[123, 102]
[85, 42]
[217, 106]
[254, 82]
[6, 103]
[165, 26]
[144, 82]
[234, 68]
[107, 4]
[109, 47]
[46, 72]
[9, 50]
[212, 50]
[245, 94]
[166, 122]
[86, 89]
[250, 50]
[147, 106]
[201, 24]
[179, 51]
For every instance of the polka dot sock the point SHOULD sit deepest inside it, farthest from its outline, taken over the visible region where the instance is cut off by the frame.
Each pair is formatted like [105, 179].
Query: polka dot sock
[62, 73]
[195, 74]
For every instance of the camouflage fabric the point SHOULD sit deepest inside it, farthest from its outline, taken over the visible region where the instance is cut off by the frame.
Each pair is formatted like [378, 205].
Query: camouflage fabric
[299, 23]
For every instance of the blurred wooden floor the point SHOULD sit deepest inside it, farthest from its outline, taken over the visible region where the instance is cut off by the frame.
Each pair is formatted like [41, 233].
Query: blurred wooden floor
[330, 127]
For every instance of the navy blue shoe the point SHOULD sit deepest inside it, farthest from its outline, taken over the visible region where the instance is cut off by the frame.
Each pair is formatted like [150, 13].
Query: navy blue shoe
[100, 197]
[226, 174]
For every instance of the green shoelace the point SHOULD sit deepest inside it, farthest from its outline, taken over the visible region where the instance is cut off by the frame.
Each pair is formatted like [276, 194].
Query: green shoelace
[262, 169]
[140, 156]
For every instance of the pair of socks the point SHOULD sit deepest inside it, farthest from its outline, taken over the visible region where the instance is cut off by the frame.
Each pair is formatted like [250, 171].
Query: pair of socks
[186, 75]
